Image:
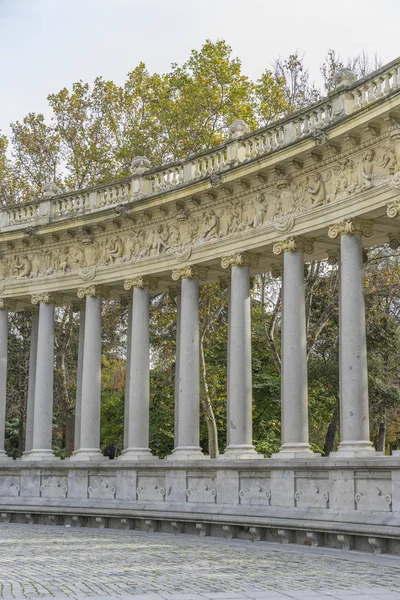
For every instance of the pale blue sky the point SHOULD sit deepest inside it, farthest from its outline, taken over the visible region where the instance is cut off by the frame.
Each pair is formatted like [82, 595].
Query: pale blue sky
[48, 44]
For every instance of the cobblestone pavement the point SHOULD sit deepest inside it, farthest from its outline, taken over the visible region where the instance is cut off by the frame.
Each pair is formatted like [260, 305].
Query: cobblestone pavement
[37, 561]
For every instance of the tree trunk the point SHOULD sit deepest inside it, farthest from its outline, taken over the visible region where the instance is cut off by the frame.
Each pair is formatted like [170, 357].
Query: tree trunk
[205, 399]
[330, 437]
[381, 441]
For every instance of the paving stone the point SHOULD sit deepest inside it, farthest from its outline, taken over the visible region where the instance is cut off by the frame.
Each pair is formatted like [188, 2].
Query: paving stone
[78, 564]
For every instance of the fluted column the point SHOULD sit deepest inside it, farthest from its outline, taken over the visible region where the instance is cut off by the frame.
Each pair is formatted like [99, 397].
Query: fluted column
[139, 373]
[239, 384]
[30, 405]
[44, 375]
[4, 306]
[294, 385]
[78, 398]
[89, 436]
[353, 368]
[188, 435]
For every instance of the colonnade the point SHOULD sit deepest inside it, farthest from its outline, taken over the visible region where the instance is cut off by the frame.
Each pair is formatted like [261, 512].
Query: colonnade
[354, 417]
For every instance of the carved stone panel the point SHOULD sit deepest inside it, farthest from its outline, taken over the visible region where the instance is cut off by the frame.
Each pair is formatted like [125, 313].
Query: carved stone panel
[10, 485]
[201, 487]
[255, 488]
[311, 489]
[373, 491]
[101, 486]
[151, 486]
[53, 485]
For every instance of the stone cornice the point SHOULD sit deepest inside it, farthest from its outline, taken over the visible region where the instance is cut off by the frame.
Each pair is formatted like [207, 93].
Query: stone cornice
[92, 291]
[294, 244]
[349, 226]
[190, 272]
[140, 282]
[240, 259]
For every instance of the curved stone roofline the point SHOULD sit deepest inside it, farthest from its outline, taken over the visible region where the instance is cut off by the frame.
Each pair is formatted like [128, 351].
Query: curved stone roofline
[307, 122]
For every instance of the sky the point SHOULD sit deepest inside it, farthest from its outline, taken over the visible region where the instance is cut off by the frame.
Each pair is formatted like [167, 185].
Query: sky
[46, 45]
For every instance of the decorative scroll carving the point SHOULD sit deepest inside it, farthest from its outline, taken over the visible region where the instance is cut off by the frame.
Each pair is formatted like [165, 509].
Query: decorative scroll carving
[241, 259]
[6, 304]
[345, 541]
[140, 282]
[333, 257]
[276, 271]
[92, 291]
[190, 272]
[393, 208]
[45, 298]
[294, 244]
[350, 227]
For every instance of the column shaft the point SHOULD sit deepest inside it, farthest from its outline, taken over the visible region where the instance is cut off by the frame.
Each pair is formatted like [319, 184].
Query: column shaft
[43, 403]
[354, 411]
[3, 376]
[294, 393]
[127, 374]
[139, 379]
[239, 409]
[30, 406]
[91, 383]
[177, 360]
[189, 373]
[78, 399]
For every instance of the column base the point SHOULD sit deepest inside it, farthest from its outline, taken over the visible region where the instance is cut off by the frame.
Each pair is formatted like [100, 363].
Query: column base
[137, 454]
[240, 452]
[187, 453]
[40, 454]
[355, 449]
[300, 450]
[88, 454]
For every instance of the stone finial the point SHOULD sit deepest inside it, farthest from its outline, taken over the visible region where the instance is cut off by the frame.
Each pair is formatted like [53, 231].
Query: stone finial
[343, 77]
[50, 189]
[238, 128]
[91, 291]
[140, 282]
[140, 164]
[240, 259]
[45, 298]
[190, 272]
[352, 227]
[294, 244]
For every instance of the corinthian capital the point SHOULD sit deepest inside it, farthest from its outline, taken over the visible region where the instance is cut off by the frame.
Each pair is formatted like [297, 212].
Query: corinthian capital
[352, 227]
[140, 282]
[45, 298]
[92, 291]
[6, 304]
[190, 272]
[294, 244]
[240, 259]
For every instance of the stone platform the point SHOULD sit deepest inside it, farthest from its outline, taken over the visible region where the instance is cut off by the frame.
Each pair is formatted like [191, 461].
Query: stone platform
[345, 504]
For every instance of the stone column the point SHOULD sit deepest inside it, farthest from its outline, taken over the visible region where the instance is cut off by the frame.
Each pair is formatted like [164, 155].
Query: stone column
[127, 372]
[30, 405]
[139, 372]
[239, 384]
[89, 436]
[188, 435]
[353, 368]
[4, 306]
[43, 402]
[175, 293]
[294, 385]
[78, 398]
